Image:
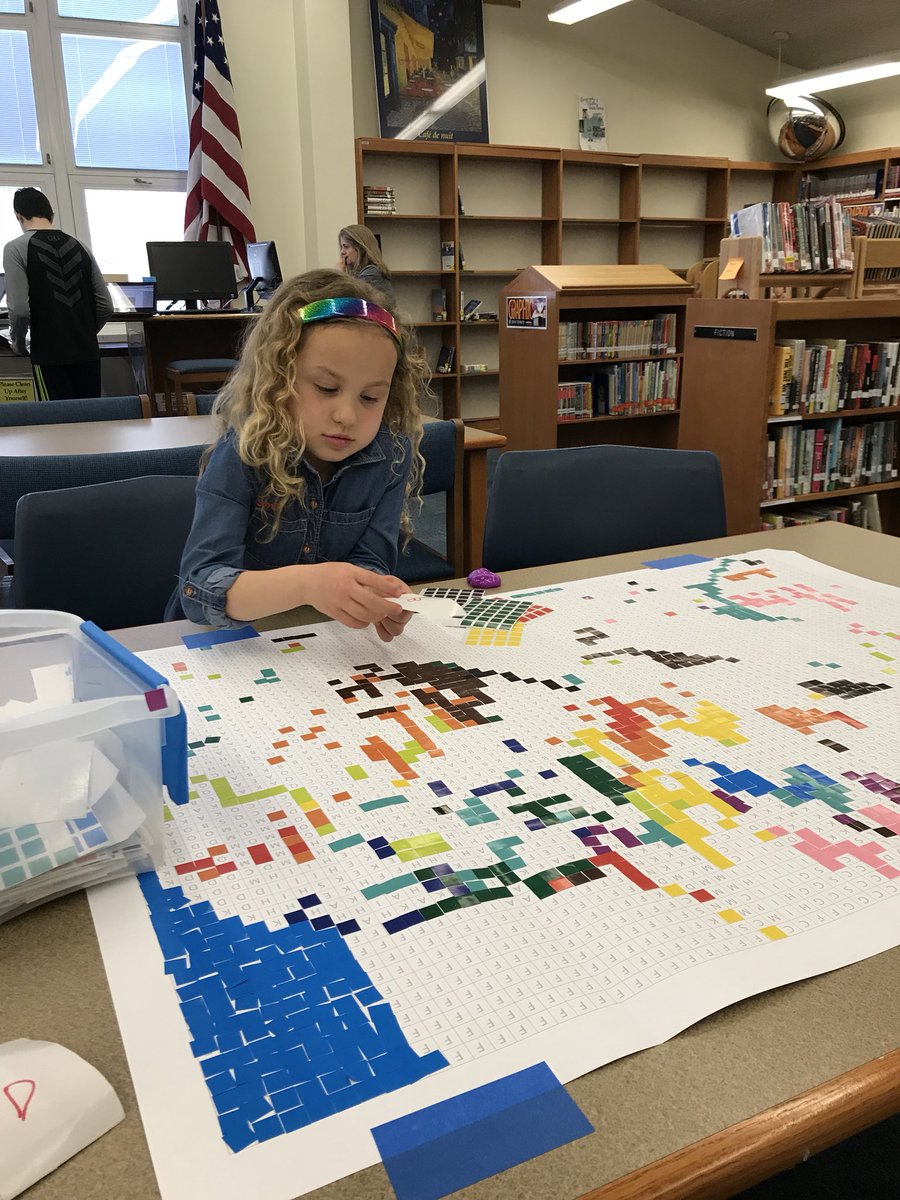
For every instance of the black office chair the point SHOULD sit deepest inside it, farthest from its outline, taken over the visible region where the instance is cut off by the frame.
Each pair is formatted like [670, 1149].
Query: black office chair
[108, 552]
[62, 412]
[442, 450]
[549, 506]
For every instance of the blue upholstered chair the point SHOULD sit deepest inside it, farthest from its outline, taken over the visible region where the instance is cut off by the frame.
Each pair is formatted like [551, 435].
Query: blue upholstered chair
[124, 571]
[183, 372]
[43, 473]
[200, 405]
[548, 506]
[442, 450]
[61, 412]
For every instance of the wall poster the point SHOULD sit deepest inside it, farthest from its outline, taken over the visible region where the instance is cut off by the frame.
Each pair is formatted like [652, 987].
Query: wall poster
[430, 69]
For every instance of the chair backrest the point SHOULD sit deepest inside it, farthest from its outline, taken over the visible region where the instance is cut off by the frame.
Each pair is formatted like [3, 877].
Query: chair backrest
[108, 552]
[199, 404]
[442, 448]
[548, 506]
[61, 412]
[44, 473]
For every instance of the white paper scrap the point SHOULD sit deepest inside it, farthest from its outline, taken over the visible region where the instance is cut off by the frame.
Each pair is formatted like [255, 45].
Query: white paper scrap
[52, 1104]
[435, 608]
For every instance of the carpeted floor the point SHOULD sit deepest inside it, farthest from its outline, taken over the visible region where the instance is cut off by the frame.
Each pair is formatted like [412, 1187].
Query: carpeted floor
[431, 524]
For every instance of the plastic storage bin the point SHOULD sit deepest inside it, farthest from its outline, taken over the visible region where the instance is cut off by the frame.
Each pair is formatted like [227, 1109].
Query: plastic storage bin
[91, 740]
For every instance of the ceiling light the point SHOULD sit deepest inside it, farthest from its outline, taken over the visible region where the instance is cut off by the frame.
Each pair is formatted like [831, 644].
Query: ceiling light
[861, 71]
[579, 10]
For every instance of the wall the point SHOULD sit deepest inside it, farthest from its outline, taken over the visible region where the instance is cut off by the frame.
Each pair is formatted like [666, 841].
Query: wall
[669, 86]
[871, 112]
[263, 63]
[292, 84]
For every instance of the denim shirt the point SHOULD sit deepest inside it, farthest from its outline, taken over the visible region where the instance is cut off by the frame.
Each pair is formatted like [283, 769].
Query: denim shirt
[354, 518]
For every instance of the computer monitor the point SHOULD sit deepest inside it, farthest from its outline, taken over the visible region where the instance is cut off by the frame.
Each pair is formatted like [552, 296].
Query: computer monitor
[192, 271]
[262, 259]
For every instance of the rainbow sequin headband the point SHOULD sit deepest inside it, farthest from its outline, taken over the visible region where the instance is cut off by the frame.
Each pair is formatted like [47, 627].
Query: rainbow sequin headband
[349, 306]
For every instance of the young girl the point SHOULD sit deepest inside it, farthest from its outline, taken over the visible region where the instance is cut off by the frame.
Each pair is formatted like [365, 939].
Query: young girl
[361, 256]
[304, 494]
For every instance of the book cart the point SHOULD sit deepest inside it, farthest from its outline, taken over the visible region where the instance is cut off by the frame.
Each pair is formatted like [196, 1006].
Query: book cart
[799, 399]
[615, 331]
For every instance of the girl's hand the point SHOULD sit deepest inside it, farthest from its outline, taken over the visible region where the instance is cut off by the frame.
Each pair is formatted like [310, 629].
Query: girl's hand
[392, 627]
[354, 596]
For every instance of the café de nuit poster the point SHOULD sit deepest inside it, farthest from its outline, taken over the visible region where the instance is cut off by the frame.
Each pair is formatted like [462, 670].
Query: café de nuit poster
[430, 69]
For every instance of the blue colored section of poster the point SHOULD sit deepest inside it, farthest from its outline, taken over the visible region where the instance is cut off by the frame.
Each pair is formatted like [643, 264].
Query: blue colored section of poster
[286, 1025]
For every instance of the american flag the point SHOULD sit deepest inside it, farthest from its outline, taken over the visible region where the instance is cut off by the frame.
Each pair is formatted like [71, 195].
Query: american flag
[218, 198]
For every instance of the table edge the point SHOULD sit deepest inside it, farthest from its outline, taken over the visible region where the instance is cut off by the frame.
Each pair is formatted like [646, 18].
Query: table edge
[752, 1150]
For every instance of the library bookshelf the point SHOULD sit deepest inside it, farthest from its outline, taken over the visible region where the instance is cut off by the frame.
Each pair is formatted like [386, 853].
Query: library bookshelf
[864, 177]
[729, 378]
[505, 207]
[618, 317]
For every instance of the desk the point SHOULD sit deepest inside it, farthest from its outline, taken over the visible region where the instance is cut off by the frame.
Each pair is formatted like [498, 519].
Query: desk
[165, 433]
[691, 1129]
[154, 342]
[106, 437]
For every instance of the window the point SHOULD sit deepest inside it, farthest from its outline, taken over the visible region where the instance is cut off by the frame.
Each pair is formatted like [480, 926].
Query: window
[109, 142]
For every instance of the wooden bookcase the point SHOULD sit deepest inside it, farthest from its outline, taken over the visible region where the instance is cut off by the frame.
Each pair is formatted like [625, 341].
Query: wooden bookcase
[727, 380]
[525, 205]
[847, 169]
[530, 363]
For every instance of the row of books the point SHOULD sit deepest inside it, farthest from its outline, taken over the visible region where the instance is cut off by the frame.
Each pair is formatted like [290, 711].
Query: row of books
[881, 225]
[814, 235]
[596, 340]
[830, 374]
[575, 400]
[378, 200]
[631, 389]
[802, 460]
[862, 183]
[860, 510]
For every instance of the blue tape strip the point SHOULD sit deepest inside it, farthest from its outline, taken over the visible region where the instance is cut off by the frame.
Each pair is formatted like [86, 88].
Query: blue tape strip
[218, 637]
[676, 560]
[470, 1137]
[175, 749]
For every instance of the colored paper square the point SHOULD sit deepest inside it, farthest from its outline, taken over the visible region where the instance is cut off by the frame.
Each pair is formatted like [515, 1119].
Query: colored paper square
[461, 1141]
[729, 916]
[673, 889]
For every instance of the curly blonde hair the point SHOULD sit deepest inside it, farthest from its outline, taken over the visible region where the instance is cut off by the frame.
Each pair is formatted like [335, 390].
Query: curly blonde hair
[256, 402]
[362, 237]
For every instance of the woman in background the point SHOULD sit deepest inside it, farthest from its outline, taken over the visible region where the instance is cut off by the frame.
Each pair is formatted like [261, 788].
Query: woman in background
[361, 257]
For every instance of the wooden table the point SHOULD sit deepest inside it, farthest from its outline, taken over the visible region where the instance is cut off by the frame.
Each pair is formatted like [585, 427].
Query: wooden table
[106, 437]
[165, 433]
[731, 1100]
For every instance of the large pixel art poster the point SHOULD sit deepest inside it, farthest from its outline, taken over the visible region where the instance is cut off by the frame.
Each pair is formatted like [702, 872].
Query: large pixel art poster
[562, 830]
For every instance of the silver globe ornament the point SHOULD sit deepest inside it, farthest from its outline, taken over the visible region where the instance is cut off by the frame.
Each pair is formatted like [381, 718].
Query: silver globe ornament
[804, 127]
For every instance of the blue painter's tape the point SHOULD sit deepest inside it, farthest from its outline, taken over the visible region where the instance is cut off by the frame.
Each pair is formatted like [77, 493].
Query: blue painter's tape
[676, 560]
[174, 751]
[465, 1139]
[218, 637]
